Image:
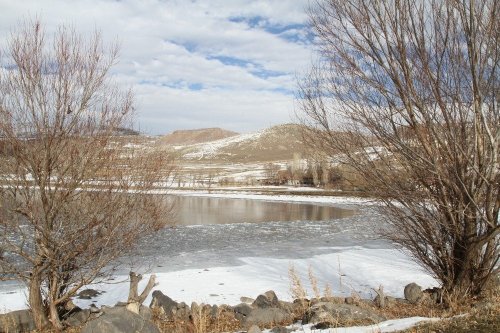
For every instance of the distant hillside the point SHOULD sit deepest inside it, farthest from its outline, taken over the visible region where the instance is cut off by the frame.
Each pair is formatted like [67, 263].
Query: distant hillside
[125, 131]
[190, 137]
[273, 144]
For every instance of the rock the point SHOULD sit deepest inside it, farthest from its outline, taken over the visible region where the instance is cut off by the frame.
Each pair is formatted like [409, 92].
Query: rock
[389, 300]
[119, 320]
[333, 299]
[243, 309]
[214, 311]
[167, 305]
[287, 306]
[145, 312]
[248, 300]
[88, 294]
[334, 313]
[195, 308]
[349, 300]
[181, 312]
[413, 293]
[17, 322]
[280, 329]
[254, 329]
[435, 294]
[322, 326]
[266, 300]
[267, 316]
[78, 318]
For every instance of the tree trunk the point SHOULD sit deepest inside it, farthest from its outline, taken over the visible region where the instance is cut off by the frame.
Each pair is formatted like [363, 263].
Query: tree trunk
[54, 317]
[35, 302]
[134, 299]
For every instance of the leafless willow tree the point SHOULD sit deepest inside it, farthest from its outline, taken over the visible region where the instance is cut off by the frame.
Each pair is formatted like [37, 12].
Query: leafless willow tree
[73, 199]
[407, 93]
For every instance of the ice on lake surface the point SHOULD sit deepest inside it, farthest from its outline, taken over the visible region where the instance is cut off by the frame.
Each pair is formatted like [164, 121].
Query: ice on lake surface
[292, 230]
[218, 263]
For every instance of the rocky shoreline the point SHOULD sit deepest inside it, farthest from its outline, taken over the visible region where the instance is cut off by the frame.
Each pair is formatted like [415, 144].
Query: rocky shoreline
[251, 315]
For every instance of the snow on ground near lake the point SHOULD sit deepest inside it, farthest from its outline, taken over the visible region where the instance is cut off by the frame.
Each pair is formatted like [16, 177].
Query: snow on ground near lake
[382, 327]
[351, 269]
[253, 195]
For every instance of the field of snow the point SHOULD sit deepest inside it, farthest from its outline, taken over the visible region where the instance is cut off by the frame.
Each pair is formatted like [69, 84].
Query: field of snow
[347, 270]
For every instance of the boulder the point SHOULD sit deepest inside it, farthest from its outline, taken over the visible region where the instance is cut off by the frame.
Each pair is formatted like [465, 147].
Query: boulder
[435, 294]
[413, 293]
[254, 329]
[17, 322]
[88, 294]
[287, 306]
[167, 305]
[181, 312]
[280, 329]
[78, 317]
[266, 300]
[214, 311]
[267, 316]
[119, 320]
[388, 301]
[245, 299]
[333, 299]
[334, 313]
[243, 309]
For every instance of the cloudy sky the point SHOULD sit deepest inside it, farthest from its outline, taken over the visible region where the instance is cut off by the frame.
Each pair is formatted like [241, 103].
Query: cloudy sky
[193, 63]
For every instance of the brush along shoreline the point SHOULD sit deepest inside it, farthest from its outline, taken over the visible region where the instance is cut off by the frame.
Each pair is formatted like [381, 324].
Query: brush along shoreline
[266, 311]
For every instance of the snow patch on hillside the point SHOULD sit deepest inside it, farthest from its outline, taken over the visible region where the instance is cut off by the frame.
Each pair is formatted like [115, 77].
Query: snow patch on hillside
[210, 149]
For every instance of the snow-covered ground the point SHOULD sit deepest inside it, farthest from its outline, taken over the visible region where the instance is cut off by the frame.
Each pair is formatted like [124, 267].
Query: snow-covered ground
[218, 264]
[209, 149]
[346, 270]
[383, 327]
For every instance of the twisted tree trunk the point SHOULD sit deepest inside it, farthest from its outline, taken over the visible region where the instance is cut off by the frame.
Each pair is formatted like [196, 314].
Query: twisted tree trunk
[134, 299]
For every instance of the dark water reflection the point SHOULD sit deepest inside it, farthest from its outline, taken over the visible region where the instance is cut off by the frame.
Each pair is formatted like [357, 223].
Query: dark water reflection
[204, 210]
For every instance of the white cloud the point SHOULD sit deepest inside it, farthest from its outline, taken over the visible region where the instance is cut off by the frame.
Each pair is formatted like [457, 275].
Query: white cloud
[228, 63]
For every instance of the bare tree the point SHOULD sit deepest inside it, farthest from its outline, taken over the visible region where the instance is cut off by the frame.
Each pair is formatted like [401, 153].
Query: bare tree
[413, 86]
[73, 199]
[271, 172]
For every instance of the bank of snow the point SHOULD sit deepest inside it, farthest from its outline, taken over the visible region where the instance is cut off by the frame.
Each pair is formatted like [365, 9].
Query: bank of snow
[382, 327]
[350, 270]
[254, 194]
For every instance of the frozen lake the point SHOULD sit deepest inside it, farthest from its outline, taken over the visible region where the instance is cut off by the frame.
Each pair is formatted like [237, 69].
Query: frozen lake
[228, 245]
[209, 210]
[212, 231]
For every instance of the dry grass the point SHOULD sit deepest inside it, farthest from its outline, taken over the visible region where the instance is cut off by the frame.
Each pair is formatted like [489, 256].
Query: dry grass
[483, 318]
[201, 321]
[298, 292]
[475, 322]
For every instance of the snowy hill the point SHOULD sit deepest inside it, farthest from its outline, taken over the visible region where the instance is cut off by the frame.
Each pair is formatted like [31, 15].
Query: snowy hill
[188, 137]
[273, 144]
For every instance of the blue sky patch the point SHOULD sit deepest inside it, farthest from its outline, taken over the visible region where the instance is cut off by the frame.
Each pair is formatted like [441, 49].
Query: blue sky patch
[195, 86]
[231, 61]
